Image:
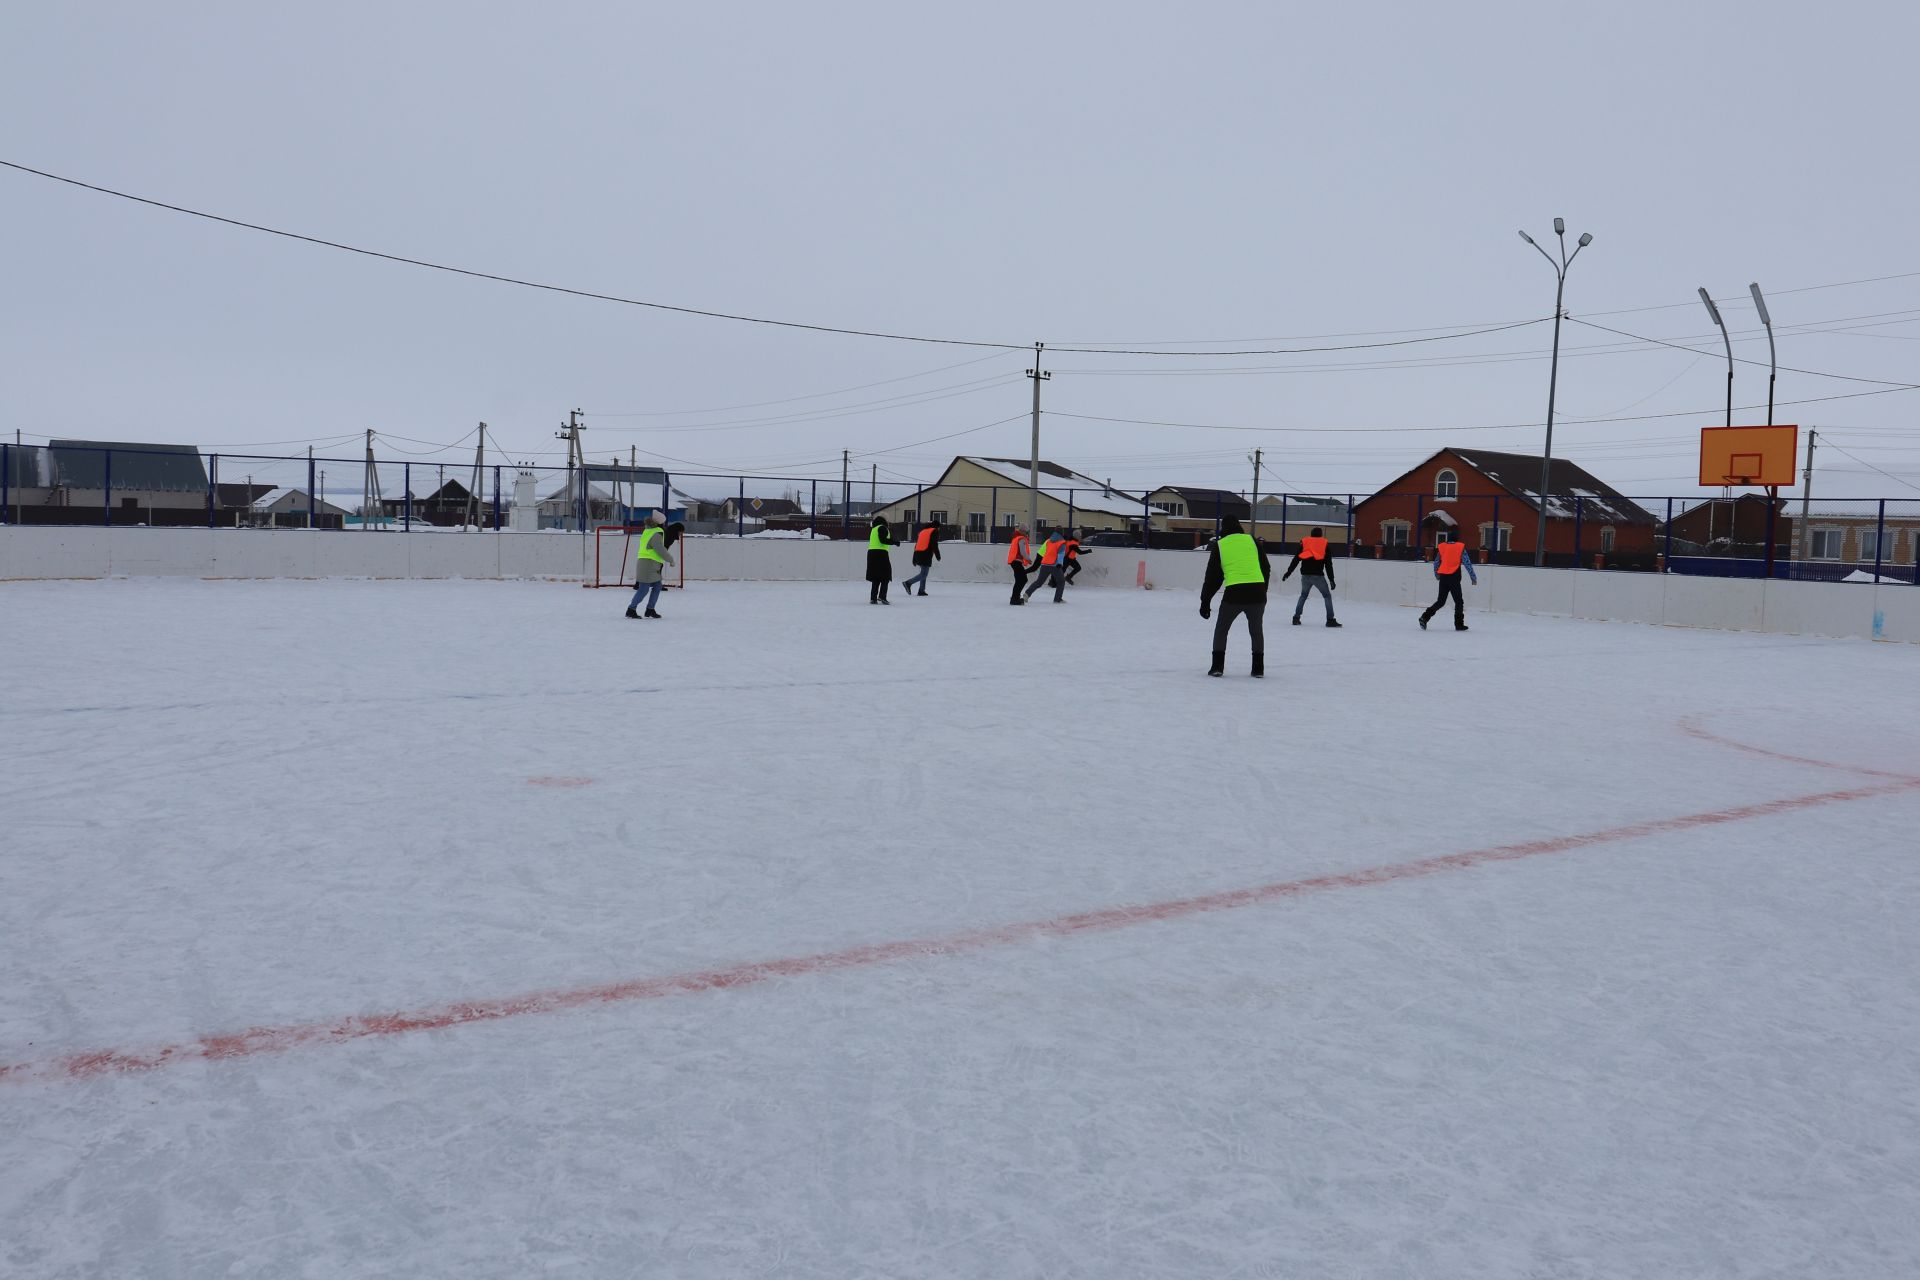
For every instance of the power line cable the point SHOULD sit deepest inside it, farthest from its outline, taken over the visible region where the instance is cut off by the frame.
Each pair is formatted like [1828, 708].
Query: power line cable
[698, 311]
[1815, 373]
[815, 395]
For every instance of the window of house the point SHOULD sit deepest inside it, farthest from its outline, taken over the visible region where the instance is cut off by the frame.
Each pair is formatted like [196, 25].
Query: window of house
[1499, 542]
[1009, 520]
[937, 517]
[1869, 543]
[1395, 533]
[1446, 486]
[976, 522]
[1826, 544]
[1606, 538]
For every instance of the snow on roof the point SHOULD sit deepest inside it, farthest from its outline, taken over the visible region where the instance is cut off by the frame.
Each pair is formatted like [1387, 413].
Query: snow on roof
[1103, 498]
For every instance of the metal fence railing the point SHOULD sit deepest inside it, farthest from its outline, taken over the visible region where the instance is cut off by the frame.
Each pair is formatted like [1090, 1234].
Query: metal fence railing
[74, 483]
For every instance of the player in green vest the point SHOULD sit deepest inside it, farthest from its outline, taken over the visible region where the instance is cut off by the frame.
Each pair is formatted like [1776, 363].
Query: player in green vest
[649, 569]
[879, 561]
[1239, 564]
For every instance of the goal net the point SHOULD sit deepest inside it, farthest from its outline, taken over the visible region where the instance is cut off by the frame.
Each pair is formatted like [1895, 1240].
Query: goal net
[617, 546]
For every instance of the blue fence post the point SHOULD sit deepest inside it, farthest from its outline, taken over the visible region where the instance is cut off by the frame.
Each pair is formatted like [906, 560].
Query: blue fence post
[213, 479]
[6, 484]
[1349, 526]
[1219, 513]
[106, 487]
[1667, 556]
[919, 516]
[1283, 520]
[1494, 532]
[496, 497]
[406, 490]
[1069, 511]
[993, 506]
[813, 512]
[740, 511]
[1579, 505]
[1146, 522]
[1879, 538]
[1419, 538]
[310, 494]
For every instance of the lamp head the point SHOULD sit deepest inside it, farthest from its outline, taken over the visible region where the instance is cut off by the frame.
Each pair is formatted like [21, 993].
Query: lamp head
[1559, 226]
[1711, 309]
[1586, 238]
[1760, 305]
[1529, 239]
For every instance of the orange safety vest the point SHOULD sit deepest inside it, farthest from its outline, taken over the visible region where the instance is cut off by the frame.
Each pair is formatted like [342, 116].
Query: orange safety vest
[1449, 554]
[1017, 549]
[1069, 549]
[925, 539]
[1312, 548]
[1050, 551]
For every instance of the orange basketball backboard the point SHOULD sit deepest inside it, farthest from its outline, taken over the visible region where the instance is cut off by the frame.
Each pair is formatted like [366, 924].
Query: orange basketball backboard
[1735, 457]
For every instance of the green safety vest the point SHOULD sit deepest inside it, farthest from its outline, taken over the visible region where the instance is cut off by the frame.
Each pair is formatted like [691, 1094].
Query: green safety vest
[1240, 559]
[873, 539]
[646, 551]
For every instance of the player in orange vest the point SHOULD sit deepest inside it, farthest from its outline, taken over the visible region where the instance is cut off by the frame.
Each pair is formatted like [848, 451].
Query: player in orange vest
[1073, 551]
[926, 549]
[1053, 565]
[1316, 570]
[1018, 549]
[1449, 558]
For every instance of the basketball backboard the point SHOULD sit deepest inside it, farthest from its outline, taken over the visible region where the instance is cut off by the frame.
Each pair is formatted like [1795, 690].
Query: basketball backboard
[1745, 457]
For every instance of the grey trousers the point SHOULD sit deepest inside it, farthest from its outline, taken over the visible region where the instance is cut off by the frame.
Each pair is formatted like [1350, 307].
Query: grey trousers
[1308, 584]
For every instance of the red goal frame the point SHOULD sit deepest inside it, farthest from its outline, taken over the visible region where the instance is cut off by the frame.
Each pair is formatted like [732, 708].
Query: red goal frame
[613, 554]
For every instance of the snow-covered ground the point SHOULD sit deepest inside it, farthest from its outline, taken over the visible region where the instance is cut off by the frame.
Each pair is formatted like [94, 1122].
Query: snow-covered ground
[469, 929]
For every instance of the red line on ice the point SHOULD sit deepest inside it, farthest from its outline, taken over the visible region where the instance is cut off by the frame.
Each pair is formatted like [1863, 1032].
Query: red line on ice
[241, 1044]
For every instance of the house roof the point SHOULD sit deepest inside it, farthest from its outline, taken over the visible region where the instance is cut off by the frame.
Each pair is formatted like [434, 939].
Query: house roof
[1104, 499]
[159, 468]
[1225, 497]
[1519, 474]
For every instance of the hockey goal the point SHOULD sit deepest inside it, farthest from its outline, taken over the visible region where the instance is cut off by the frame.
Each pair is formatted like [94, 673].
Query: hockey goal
[615, 548]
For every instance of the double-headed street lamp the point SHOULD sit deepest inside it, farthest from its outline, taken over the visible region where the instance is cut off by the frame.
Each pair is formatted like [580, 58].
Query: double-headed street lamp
[1553, 378]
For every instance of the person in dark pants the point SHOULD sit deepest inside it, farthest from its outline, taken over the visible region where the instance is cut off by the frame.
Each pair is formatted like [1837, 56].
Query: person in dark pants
[1018, 549]
[926, 549]
[879, 562]
[1073, 551]
[1448, 559]
[1052, 568]
[1239, 564]
[1316, 570]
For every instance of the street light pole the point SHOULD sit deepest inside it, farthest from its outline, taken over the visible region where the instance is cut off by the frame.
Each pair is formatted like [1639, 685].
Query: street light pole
[1553, 377]
[1773, 363]
[1715, 313]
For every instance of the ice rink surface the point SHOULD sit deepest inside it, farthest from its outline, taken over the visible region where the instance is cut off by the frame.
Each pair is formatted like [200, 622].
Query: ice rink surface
[471, 930]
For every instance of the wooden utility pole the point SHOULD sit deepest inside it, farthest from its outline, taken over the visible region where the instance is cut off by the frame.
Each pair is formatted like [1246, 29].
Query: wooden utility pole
[1039, 376]
[369, 486]
[1803, 536]
[1253, 508]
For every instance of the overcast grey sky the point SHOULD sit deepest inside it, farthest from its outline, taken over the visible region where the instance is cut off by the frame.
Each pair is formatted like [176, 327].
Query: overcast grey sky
[1110, 174]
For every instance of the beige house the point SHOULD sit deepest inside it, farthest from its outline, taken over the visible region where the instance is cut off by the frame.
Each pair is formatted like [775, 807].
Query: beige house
[1291, 519]
[984, 497]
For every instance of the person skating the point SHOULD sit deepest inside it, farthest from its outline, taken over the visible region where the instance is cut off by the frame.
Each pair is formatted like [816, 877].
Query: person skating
[1052, 570]
[1072, 557]
[926, 549]
[879, 562]
[650, 562]
[1448, 559]
[1018, 549]
[1238, 563]
[1316, 570]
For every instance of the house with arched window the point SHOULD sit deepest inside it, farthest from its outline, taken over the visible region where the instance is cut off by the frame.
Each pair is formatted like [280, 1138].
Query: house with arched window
[1490, 501]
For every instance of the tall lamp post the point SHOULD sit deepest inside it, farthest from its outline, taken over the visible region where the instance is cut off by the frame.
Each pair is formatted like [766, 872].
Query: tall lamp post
[1715, 313]
[1559, 266]
[1773, 361]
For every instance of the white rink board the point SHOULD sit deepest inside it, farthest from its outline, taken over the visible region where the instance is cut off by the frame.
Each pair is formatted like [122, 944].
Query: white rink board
[1888, 611]
[1669, 1031]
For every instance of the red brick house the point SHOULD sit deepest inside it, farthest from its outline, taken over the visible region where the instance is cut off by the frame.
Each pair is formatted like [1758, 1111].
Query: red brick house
[1489, 500]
